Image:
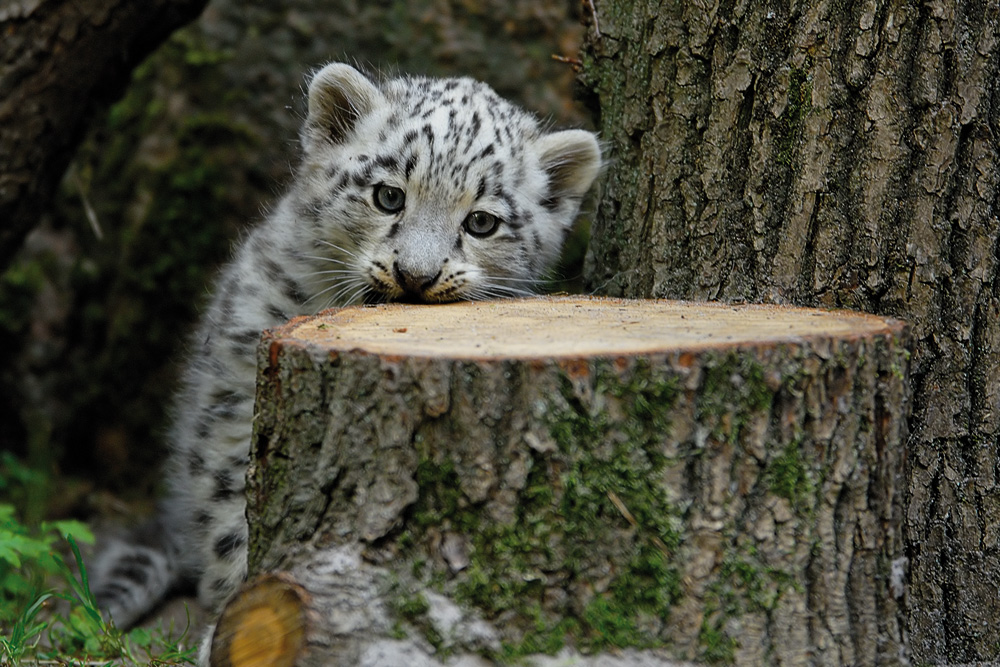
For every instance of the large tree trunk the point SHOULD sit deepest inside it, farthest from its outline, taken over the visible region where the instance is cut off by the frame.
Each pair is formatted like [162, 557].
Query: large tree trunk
[61, 64]
[840, 154]
[506, 478]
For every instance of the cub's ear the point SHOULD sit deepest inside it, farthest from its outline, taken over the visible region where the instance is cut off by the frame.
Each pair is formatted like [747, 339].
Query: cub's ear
[572, 160]
[339, 96]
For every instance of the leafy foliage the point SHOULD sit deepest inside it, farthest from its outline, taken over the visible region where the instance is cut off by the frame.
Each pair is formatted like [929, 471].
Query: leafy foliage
[64, 622]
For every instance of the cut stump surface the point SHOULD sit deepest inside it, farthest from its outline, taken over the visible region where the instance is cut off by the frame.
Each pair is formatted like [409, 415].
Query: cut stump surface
[548, 328]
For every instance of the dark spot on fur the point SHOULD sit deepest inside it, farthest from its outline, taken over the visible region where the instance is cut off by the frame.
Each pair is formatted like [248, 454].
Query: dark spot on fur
[243, 339]
[112, 590]
[363, 178]
[196, 462]
[222, 405]
[291, 291]
[137, 558]
[390, 162]
[206, 419]
[549, 202]
[226, 397]
[276, 312]
[272, 269]
[225, 485]
[227, 545]
[489, 150]
[134, 573]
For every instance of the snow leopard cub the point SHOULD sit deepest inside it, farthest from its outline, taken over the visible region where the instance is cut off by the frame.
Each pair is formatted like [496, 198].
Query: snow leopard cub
[413, 189]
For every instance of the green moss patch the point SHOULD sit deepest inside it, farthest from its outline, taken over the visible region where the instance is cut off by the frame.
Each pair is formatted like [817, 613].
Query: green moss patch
[745, 584]
[789, 476]
[596, 505]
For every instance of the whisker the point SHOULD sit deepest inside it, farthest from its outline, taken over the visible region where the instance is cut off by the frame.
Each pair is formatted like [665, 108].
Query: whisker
[345, 288]
[332, 260]
[354, 296]
[339, 272]
[489, 291]
[511, 279]
[373, 297]
[514, 293]
[498, 288]
[350, 291]
[338, 248]
[334, 285]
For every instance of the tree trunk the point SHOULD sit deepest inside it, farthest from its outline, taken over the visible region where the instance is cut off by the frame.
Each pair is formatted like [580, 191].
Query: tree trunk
[714, 482]
[62, 63]
[836, 154]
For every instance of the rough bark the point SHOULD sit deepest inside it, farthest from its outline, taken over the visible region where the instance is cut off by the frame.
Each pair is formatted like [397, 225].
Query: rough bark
[61, 64]
[842, 154]
[717, 482]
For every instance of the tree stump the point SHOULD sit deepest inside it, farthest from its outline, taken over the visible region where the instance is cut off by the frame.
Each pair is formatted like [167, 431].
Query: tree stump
[661, 480]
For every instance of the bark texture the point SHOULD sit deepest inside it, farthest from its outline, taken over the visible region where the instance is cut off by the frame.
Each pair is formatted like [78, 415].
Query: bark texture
[838, 154]
[61, 64]
[730, 494]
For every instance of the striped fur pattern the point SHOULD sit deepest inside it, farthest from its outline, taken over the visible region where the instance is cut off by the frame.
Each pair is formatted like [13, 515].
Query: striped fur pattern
[413, 189]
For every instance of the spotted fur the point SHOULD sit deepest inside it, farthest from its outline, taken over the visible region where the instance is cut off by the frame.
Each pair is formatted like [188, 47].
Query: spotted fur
[415, 189]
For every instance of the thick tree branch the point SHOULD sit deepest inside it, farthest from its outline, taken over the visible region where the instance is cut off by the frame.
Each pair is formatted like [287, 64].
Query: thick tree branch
[62, 64]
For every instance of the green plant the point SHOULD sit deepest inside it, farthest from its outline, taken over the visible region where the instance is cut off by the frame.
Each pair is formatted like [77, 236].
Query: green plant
[85, 632]
[28, 558]
[47, 610]
[24, 632]
[82, 633]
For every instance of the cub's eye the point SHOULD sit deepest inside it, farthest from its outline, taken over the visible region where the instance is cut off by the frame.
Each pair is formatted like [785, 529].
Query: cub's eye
[389, 198]
[481, 224]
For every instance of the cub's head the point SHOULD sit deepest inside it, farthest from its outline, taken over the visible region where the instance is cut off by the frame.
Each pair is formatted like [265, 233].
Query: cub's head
[431, 190]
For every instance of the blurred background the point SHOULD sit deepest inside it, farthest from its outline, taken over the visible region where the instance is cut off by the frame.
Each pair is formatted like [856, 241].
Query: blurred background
[96, 308]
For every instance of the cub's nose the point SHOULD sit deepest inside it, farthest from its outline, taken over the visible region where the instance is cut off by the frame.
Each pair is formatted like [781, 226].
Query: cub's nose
[412, 282]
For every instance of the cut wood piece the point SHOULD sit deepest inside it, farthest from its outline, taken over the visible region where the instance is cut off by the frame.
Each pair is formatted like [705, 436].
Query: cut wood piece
[264, 626]
[506, 478]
